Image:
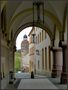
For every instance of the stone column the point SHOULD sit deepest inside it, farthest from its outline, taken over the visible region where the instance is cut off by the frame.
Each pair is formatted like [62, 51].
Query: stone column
[57, 61]
[11, 59]
[64, 68]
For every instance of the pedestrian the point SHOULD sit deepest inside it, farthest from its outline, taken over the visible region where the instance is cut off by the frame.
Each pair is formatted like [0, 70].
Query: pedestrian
[32, 74]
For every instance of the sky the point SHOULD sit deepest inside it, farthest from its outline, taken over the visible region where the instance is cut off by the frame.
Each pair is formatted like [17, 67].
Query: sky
[20, 37]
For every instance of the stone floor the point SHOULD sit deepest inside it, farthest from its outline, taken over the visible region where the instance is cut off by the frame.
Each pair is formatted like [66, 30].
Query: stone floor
[56, 82]
[36, 84]
[13, 86]
[39, 82]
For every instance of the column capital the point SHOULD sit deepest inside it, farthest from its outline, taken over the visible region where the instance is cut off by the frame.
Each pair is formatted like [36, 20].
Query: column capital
[62, 44]
[14, 48]
[56, 48]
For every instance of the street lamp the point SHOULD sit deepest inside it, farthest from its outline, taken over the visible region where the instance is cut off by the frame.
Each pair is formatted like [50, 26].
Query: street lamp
[38, 11]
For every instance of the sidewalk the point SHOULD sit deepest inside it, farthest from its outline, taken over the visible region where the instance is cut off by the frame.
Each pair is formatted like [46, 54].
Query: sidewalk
[36, 84]
[13, 86]
[56, 82]
[39, 82]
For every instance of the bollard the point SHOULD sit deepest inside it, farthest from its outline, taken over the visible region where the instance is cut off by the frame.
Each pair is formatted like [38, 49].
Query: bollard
[11, 79]
[32, 74]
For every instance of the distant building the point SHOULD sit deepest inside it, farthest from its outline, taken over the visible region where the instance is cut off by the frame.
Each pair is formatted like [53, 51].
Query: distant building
[41, 59]
[44, 58]
[24, 54]
[31, 51]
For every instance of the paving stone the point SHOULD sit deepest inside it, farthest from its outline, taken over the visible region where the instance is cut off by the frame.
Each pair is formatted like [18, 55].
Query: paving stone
[36, 84]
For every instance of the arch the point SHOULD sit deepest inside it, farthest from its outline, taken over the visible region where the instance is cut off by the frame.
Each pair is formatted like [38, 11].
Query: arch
[46, 12]
[31, 24]
[64, 18]
[3, 4]
[64, 23]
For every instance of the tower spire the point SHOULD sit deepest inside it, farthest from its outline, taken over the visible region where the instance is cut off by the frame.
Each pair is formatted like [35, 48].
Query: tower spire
[25, 37]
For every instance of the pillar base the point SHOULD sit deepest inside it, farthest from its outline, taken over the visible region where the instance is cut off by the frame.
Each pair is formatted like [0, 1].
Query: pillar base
[63, 78]
[54, 74]
[10, 82]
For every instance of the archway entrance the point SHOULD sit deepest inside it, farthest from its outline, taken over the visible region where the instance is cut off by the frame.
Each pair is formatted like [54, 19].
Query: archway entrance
[51, 16]
[40, 55]
[39, 52]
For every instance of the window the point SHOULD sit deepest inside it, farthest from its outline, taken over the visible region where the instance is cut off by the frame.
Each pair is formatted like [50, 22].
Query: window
[38, 39]
[45, 58]
[42, 35]
[45, 34]
[38, 64]
[49, 59]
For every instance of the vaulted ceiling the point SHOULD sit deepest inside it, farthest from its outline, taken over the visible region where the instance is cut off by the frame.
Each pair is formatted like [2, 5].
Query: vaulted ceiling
[19, 13]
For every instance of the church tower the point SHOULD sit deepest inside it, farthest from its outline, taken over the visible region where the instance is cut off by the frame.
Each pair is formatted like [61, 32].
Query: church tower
[24, 51]
[25, 45]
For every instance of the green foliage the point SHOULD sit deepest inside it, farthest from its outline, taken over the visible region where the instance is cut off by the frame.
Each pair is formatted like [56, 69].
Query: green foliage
[17, 61]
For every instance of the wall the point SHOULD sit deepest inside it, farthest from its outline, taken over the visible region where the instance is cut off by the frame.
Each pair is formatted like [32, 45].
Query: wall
[42, 41]
[42, 44]
[31, 51]
[4, 63]
[65, 33]
[25, 62]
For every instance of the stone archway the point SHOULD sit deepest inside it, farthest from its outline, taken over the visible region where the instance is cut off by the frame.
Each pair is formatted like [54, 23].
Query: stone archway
[31, 24]
[27, 12]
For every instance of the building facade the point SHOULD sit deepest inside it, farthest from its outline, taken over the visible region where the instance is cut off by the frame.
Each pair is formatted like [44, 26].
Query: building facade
[41, 55]
[24, 54]
[31, 51]
[44, 58]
